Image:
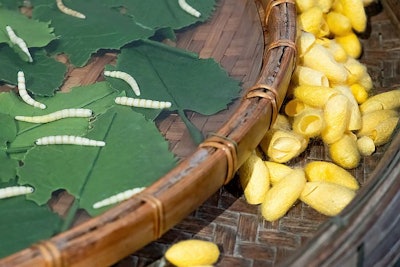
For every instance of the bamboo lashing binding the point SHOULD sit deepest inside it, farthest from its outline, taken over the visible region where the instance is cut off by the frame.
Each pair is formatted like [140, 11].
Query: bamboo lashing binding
[50, 253]
[272, 4]
[229, 147]
[283, 42]
[262, 90]
[158, 210]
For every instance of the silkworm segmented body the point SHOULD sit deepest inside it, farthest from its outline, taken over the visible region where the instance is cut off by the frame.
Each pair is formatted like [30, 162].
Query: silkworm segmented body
[13, 191]
[118, 197]
[142, 103]
[69, 11]
[189, 9]
[18, 41]
[126, 77]
[68, 140]
[64, 113]
[24, 94]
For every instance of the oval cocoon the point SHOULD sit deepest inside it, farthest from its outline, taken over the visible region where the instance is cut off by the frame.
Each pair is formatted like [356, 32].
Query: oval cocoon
[294, 107]
[365, 145]
[312, 20]
[327, 198]
[309, 123]
[254, 178]
[277, 171]
[354, 10]
[344, 152]
[330, 172]
[307, 76]
[320, 58]
[283, 195]
[386, 100]
[192, 253]
[336, 116]
[338, 23]
[371, 120]
[315, 96]
[282, 146]
[351, 44]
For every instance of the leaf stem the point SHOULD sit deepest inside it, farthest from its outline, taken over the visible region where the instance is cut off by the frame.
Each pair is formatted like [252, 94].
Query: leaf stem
[193, 130]
[70, 215]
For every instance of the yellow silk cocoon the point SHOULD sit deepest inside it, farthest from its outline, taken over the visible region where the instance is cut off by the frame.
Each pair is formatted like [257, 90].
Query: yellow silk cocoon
[308, 76]
[327, 198]
[330, 172]
[344, 152]
[320, 58]
[309, 123]
[386, 100]
[281, 197]
[315, 96]
[338, 23]
[336, 116]
[281, 146]
[277, 171]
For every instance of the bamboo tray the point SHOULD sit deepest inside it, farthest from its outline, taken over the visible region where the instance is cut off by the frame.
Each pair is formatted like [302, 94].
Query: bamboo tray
[201, 197]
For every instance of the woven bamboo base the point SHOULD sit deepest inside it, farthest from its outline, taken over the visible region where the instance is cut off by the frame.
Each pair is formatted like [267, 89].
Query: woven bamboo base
[244, 238]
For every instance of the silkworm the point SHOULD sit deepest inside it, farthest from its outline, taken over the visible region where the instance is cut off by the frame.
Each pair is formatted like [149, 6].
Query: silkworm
[13, 191]
[18, 41]
[24, 94]
[126, 77]
[69, 11]
[142, 103]
[188, 9]
[69, 140]
[64, 113]
[118, 197]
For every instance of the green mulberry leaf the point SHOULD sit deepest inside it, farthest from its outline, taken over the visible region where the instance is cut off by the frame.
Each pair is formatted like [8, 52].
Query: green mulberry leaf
[135, 155]
[164, 13]
[170, 74]
[98, 97]
[23, 223]
[42, 77]
[33, 32]
[103, 28]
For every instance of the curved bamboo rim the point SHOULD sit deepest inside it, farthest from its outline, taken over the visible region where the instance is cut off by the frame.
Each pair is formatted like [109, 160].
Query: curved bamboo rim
[107, 238]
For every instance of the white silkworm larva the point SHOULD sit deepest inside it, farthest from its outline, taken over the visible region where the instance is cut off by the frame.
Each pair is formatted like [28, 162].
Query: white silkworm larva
[118, 197]
[142, 103]
[126, 77]
[13, 191]
[69, 11]
[189, 9]
[68, 140]
[64, 113]
[18, 41]
[24, 94]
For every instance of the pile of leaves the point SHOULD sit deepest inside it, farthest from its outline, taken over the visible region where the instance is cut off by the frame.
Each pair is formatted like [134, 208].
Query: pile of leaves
[136, 154]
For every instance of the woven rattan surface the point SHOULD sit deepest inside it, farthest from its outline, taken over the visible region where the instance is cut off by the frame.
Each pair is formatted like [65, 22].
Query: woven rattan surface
[244, 238]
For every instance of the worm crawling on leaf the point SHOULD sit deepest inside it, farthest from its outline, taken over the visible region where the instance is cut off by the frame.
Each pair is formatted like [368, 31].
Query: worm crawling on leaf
[18, 41]
[64, 113]
[142, 103]
[126, 77]
[189, 9]
[118, 197]
[69, 11]
[13, 191]
[68, 140]
[24, 94]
